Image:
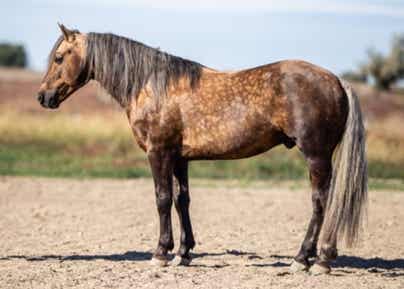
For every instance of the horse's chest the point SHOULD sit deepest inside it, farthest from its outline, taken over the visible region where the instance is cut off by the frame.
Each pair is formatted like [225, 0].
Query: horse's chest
[154, 129]
[139, 127]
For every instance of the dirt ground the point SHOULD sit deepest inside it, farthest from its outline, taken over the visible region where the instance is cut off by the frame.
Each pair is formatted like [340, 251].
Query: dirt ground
[100, 233]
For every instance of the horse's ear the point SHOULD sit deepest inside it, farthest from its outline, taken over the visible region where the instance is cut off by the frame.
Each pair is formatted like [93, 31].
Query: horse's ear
[67, 33]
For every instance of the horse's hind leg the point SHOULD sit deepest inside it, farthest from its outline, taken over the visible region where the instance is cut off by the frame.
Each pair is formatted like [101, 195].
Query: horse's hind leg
[320, 176]
[328, 252]
[181, 201]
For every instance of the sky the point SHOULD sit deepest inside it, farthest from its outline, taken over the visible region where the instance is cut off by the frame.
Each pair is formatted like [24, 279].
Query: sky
[222, 34]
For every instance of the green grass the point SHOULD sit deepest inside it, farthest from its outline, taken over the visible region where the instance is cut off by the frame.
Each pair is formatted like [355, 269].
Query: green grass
[54, 160]
[58, 145]
[65, 146]
[385, 170]
[279, 163]
[386, 184]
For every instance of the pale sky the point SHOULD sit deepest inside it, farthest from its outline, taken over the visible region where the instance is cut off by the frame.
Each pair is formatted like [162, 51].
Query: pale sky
[223, 34]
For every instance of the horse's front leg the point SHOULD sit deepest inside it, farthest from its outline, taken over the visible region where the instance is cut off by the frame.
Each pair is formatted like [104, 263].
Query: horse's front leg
[161, 163]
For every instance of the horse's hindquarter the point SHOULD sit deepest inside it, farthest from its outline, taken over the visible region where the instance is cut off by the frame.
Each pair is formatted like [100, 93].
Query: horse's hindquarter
[317, 105]
[231, 115]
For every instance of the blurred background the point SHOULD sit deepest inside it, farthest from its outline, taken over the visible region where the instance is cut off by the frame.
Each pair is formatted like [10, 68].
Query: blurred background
[362, 41]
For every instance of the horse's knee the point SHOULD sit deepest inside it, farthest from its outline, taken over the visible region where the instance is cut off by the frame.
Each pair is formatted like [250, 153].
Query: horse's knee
[164, 202]
[182, 199]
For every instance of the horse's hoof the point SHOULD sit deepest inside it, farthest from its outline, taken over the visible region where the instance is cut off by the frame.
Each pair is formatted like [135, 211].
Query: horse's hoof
[180, 261]
[298, 267]
[159, 262]
[318, 269]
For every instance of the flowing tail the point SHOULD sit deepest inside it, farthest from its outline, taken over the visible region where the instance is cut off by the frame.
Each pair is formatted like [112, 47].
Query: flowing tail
[347, 199]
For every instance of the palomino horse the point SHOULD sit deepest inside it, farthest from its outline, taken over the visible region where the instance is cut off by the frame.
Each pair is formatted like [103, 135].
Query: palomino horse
[180, 110]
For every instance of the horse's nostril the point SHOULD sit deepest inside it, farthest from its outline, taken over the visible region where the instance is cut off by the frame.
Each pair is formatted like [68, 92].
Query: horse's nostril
[41, 97]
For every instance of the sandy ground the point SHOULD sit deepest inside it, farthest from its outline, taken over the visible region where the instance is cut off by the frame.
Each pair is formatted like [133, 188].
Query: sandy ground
[100, 234]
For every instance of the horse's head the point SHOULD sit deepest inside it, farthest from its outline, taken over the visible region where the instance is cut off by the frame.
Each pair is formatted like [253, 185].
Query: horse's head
[66, 69]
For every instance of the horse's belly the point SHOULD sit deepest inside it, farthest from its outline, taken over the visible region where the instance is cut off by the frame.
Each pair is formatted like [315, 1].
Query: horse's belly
[231, 126]
[227, 142]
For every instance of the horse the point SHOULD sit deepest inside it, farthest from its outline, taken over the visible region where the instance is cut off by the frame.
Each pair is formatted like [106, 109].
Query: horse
[182, 111]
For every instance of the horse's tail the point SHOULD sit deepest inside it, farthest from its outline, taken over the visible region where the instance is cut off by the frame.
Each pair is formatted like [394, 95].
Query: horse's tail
[346, 203]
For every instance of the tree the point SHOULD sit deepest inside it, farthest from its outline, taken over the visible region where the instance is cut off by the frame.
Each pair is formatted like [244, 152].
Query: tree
[384, 70]
[397, 55]
[12, 55]
[356, 76]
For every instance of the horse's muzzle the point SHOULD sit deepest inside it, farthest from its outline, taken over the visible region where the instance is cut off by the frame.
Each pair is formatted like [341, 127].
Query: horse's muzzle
[48, 99]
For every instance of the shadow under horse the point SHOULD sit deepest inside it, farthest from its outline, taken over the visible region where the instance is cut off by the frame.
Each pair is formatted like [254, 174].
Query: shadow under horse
[386, 267]
[181, 111]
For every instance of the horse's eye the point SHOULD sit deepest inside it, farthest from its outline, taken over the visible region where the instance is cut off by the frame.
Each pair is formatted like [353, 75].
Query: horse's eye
[58, 59]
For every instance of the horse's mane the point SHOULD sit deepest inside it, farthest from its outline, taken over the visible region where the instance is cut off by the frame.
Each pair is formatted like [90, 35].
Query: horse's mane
[123, 66]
